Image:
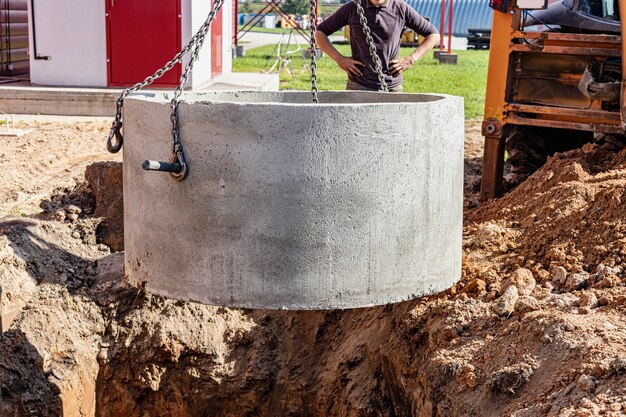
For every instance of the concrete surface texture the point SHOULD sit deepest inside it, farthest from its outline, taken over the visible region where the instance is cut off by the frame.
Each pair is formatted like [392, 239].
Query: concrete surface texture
[352, 202]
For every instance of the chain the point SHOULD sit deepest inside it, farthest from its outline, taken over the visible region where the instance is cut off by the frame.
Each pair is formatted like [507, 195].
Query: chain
[370, 44]
[313, 26]
[194, 45]
[177, 149]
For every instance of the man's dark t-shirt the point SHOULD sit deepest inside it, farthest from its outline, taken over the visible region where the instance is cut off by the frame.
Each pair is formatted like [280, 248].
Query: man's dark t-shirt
[386, 23]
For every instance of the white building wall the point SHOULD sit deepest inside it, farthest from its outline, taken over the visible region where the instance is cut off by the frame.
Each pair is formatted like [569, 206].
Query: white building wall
[201, 73]
[73, 34]
[202, 67]
[227, 45]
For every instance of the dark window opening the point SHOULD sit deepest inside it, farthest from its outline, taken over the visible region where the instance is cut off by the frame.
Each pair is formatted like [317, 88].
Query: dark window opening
[605, 9]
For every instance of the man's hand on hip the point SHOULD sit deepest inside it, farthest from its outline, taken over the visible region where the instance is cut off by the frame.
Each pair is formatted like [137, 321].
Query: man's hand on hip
[349, 65]
[397, 66]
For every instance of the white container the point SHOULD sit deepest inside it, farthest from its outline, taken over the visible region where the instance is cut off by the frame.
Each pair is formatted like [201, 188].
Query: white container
[270, 21]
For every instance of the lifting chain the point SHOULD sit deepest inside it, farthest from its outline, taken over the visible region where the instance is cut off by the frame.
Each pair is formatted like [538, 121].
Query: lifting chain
[370, 43]
[313, 26]
[178, 166]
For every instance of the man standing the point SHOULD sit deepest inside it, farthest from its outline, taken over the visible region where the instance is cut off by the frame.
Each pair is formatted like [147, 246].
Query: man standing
[386, 20]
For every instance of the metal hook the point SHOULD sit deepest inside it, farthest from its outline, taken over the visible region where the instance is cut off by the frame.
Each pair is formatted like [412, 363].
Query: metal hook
[119, 139]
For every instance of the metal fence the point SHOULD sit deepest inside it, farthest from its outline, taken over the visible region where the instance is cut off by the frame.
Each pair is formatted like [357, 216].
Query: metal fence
[474, 14]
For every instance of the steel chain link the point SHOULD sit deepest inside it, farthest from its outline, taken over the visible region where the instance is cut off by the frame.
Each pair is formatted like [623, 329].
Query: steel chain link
[194, 43]
[177, 150]
[313, 41]
[370, 43]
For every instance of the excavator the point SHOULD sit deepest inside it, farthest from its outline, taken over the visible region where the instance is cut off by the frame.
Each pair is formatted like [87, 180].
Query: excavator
[555, 82]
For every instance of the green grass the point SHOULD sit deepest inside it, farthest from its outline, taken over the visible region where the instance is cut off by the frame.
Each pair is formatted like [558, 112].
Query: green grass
[467, 79]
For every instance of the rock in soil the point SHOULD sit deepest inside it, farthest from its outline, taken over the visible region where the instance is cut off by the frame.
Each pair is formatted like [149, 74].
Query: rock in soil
[588, 299]
[524, 281]
[510, 379]
[526, 304]
[576, 281]
[505, 305]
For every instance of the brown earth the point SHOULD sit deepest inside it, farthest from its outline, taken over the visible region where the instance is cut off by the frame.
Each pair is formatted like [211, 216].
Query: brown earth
[535, 326]
[52, 156]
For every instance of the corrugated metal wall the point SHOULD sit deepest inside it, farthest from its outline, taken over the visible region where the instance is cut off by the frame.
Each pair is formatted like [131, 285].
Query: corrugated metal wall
[475, 14]
[13, 37]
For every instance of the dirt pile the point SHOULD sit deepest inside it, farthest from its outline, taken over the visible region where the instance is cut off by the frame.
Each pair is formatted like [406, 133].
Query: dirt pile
[568, 214]
[48, 363]
[35, 252]
[534, 328]
[99, 197]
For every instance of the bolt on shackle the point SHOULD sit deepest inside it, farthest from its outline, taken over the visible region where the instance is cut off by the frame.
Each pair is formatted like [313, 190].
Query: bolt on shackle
[177, 166]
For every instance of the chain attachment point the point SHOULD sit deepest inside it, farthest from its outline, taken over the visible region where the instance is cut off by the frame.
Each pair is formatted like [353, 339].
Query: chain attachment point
[179, 159]
[178, 166]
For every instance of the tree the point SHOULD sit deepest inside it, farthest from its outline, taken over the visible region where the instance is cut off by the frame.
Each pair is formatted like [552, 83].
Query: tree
[245, 7]
[295, 6]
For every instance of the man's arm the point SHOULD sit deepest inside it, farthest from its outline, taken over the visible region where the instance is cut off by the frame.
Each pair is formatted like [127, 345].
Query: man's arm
[422, 27]
[396, 66]
[332, 24]
[349, 65]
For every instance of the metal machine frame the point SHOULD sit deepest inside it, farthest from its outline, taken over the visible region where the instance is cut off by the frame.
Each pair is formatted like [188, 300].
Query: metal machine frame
[558, 58]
